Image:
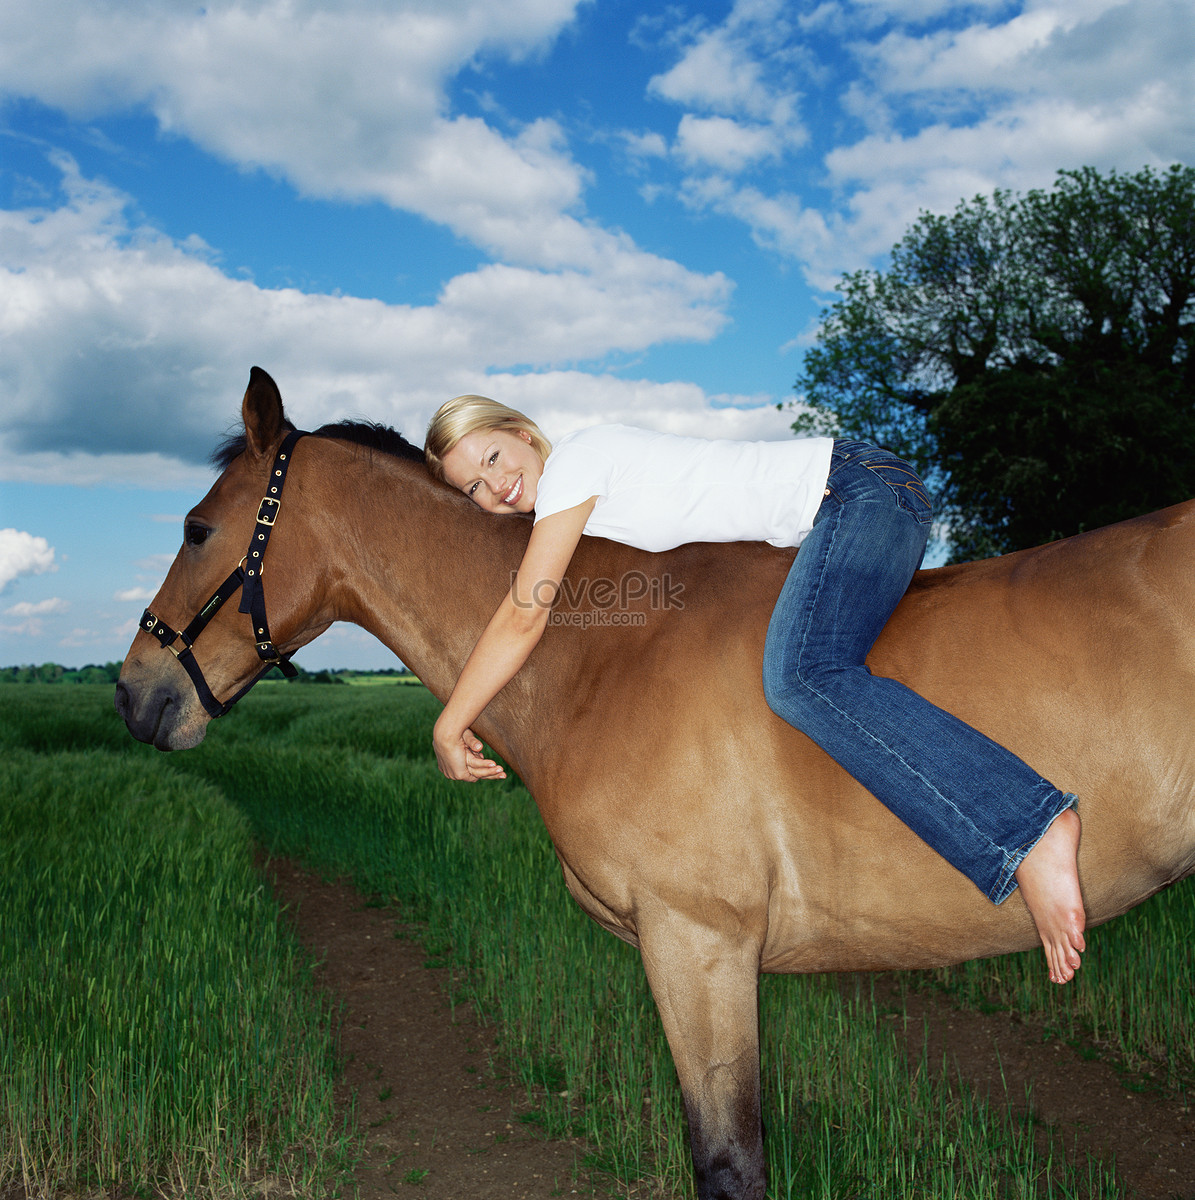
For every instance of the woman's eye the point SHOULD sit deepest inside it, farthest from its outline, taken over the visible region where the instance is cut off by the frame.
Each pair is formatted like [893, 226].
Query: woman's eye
[493, 458]
[472, 488]
[195, 534]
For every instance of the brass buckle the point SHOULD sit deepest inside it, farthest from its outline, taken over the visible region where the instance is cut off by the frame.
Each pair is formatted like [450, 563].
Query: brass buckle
[151, 626]
[268, 517]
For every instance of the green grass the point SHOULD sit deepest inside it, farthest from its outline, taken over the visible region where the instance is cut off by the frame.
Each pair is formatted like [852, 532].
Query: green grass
[342, 778]
[1132, 999]
[158, 1029]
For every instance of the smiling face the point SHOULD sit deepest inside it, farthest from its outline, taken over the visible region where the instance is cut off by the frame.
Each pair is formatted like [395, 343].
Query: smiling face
[497, 469]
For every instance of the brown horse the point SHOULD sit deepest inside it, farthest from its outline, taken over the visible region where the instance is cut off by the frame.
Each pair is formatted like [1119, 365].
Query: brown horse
[688, 819]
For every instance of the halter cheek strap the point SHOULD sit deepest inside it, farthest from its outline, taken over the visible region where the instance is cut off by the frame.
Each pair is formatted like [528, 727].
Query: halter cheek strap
[253, 597]
[246, 577]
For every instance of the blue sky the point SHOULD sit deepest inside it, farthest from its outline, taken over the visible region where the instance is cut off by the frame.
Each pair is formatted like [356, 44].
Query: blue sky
[592, 210]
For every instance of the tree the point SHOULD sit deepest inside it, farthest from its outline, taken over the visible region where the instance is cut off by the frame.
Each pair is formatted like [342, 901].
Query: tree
[1032, 356]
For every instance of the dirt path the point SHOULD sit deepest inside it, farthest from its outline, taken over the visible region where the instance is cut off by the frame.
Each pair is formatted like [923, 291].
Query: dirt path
[1150, 1135]
[444, 1125]
[441, 1124]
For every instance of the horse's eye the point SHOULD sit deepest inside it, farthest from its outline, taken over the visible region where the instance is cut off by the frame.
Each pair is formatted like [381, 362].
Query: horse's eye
[195, 534]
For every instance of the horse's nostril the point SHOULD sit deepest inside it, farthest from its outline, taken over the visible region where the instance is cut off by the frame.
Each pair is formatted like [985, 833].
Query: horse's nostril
[123, 700]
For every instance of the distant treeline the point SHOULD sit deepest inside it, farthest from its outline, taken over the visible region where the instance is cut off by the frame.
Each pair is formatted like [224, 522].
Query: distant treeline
[110, 673]
[57, 673]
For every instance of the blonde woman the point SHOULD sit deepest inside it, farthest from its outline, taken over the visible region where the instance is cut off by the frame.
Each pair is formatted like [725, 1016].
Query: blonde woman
[861, 517]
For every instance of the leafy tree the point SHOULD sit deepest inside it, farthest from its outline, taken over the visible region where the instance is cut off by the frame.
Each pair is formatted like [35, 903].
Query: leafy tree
[96, 673]
[1032, 355]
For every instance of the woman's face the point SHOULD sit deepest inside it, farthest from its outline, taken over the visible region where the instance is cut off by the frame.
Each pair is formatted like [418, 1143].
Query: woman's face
[497, 469]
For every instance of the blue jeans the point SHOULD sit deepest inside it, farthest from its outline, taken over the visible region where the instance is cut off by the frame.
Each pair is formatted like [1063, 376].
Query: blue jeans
[974, 802]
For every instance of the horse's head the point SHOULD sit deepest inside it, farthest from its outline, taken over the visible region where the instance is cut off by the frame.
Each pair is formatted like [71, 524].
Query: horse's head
[195, 655]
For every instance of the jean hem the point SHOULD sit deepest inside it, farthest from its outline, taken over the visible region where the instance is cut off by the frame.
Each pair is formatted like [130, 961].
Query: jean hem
[1007, 883]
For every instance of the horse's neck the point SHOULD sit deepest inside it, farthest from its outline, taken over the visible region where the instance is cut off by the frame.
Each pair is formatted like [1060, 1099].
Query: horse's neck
[425, 572]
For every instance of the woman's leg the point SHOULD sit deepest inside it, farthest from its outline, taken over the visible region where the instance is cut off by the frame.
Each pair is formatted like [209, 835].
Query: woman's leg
[973, 801]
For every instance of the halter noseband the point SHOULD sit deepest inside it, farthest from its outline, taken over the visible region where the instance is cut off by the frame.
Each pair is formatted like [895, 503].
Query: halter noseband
[247, 577]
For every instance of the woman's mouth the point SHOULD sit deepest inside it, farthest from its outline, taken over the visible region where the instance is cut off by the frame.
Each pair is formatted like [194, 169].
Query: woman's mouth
[515, 492]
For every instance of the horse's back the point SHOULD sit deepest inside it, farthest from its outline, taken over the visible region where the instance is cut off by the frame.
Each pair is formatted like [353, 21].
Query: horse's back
[1079, 656]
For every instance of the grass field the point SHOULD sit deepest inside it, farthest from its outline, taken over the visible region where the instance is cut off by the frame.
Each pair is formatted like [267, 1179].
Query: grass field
[101, 836]
[157, 1026]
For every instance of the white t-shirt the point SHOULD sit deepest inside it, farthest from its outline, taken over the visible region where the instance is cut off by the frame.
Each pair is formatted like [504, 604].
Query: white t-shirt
[659, 490]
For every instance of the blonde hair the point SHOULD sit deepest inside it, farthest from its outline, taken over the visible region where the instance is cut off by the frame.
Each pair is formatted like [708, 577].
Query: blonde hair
[459, 417]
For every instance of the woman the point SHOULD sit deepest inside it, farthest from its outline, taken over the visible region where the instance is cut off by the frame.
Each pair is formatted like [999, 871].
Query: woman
[862, 519]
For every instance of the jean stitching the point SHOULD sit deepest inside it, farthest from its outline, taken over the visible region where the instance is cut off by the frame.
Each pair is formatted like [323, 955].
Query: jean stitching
[848, 453]
[914, 485]
[867, 733]
[1014, 858]
[1006, 873]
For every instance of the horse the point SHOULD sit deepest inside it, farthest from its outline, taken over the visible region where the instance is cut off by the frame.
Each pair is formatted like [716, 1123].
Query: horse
[687, 818]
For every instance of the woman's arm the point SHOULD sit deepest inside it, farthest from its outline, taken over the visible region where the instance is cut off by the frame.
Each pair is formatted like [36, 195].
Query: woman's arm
[513, 632]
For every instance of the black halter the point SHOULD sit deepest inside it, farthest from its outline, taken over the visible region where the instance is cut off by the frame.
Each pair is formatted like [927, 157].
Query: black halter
[247, 577]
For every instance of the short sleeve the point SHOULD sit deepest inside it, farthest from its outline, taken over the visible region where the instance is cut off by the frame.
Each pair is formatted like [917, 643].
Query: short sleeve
[574, 471]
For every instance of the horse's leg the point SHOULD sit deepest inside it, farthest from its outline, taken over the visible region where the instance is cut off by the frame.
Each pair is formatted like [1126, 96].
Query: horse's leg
[706, 986]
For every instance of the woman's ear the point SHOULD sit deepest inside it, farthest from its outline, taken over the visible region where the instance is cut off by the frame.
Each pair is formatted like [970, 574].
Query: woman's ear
[524, 435]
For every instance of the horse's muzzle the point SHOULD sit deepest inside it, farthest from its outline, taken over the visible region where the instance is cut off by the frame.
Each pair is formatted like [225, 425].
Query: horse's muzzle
[158, 717]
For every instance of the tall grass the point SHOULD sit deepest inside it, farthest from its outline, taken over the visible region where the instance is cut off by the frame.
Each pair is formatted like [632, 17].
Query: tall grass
[159, 1031]
[1132, 999]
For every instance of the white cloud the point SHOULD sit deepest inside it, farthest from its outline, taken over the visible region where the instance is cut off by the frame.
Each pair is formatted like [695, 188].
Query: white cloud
[37, 608]
[737, 80]
[32, 628]
[1088, 52]
[1063, 83]
[716, 73]
[914, 11]
[86, 469]
[892, 178]
[23, 554]
[736, 68]
[979, 56]
[562, 401]
[163, 339]
[347, 102]
[81, 637]
[779, 222]
[139, 595]
[645, 145]
[156, 564]
[723, 143]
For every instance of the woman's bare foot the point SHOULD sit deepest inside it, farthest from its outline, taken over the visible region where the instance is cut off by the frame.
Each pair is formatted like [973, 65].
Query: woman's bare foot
[1049, 880]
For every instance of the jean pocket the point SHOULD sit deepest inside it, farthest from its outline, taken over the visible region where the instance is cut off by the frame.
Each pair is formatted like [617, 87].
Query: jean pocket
[911, 494]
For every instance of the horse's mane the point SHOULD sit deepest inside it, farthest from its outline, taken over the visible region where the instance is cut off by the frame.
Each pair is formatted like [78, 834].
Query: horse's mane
[361, 433]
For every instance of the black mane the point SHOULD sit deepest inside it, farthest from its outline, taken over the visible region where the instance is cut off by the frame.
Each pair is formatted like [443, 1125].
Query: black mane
[361, 433]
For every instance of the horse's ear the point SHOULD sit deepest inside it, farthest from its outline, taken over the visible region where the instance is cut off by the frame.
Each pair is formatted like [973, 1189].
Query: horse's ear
[261, 410]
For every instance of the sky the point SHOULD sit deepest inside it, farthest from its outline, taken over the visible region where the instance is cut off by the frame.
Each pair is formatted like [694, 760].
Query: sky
[593, 210]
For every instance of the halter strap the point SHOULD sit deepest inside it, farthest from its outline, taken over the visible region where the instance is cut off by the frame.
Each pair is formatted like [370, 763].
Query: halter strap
[247, 577]
[253, 597]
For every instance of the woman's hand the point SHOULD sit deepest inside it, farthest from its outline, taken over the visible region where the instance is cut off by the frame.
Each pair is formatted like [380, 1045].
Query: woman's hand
[459, 756]
[507, 642]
